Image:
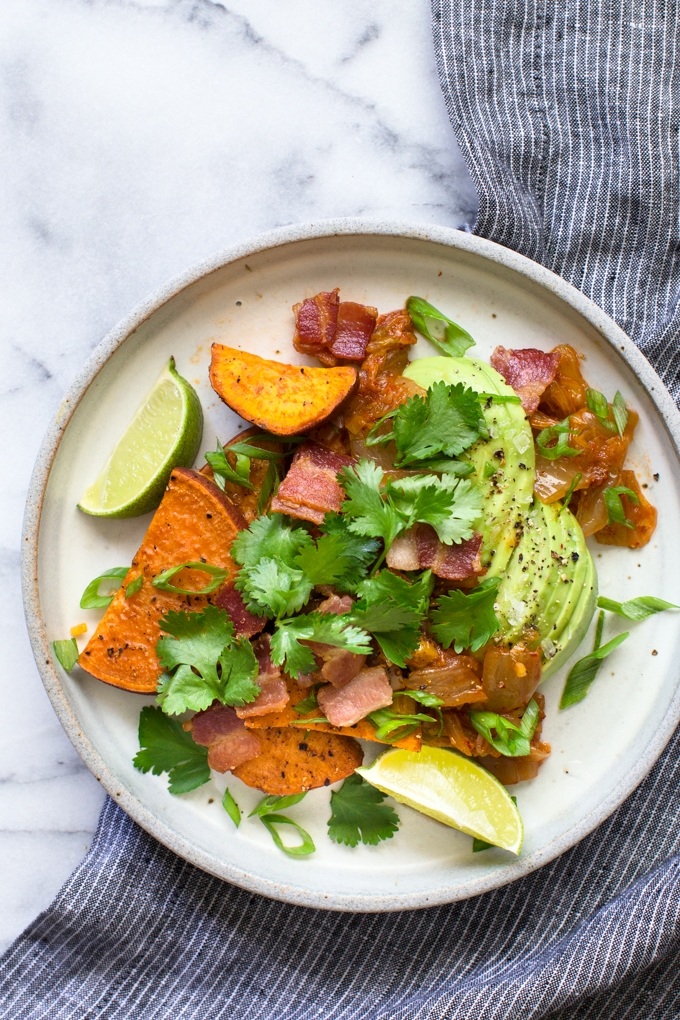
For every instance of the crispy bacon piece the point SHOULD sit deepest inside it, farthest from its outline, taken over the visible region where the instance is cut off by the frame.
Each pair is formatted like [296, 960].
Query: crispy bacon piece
[273, 695]
[381, 384]
[245, 623]
[420, 549]
[528, 371]
[510, 677]
[643, 517]
[229, 743]
[567, 393]
[311, 489]
[337, 665]
[354, 330]
[316, 320]
[344, 706]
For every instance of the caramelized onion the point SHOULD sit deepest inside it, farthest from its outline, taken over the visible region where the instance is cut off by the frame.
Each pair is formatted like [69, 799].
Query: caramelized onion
[456, 681]
[567, 393]
[510, 677]
[643, 516]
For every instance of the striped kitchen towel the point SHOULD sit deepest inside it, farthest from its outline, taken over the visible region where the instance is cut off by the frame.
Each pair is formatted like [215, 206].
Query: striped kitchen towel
[565, 112]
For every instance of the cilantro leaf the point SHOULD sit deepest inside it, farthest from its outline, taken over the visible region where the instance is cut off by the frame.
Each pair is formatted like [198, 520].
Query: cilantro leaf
[327, 561]
[323, 627]
[369, 513]
[450, 505]
[239, 669]
[271, 537]
[392, 610]
[195, 645]
[467, 620]
[166, 747]
[273, 588]
[448, 420]
[357, 813]
[636, 609]
[195, 639]
[436, 327]
[360, 550]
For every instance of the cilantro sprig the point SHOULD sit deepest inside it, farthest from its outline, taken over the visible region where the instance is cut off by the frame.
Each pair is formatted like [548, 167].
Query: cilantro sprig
[467, 621]
[393, 609]
[166, 747]
[204, 662]
[326, 628]
[358, 814]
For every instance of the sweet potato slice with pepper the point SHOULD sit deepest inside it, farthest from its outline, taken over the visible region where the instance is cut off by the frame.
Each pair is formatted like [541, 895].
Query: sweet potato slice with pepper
[294, 762]
[195, 520]
[282, 399]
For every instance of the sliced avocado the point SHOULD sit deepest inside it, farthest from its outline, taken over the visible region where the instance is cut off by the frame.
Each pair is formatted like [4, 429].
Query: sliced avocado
[508, 481]
[548, 594]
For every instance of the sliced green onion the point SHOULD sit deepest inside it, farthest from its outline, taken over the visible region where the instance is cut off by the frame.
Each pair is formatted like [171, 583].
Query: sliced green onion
[560, 432]
[612, 501]
[219, 574]
[133, 587]
[305, 848]
[274, 803]
[586, 669]
[620, 412]
[490, 469]
[307, 704]
[500, 398]
[444, 465]
[269, 485]
[308, 722]
[512, 741]
[232, 808]
[91, 599]
[597, 403]
[441, 331]
[373, 438]
[223, 470]
[570, 491]
[389, 725]
[66, 652]
[636, 609]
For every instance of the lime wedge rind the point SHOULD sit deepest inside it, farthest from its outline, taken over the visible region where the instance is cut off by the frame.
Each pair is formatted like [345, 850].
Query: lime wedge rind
[452, 789]
[165, 433]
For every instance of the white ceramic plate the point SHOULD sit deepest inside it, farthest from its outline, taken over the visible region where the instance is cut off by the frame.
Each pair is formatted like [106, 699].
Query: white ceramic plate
[602, 748]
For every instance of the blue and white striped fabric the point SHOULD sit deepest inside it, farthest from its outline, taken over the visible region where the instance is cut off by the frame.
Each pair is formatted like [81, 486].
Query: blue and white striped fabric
[564, 111]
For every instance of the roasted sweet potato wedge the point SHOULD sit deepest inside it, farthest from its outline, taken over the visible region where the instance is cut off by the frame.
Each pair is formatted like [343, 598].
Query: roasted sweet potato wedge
[293, 762]
[194, 520]
[283, 399]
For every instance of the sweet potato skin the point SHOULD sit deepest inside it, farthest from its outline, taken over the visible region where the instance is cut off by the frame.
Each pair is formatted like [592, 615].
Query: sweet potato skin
[194, 520]
[294, 762]
[282, 399]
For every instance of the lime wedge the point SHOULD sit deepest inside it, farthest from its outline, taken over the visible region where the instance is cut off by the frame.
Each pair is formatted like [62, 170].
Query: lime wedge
[165, 433]
[451, 788]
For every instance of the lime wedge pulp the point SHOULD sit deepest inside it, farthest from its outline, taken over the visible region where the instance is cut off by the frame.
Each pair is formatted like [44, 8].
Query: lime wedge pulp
[451, 788]
[165, 433]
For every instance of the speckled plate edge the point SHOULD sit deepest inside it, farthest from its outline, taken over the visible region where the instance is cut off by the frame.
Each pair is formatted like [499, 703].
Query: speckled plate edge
[534, 272]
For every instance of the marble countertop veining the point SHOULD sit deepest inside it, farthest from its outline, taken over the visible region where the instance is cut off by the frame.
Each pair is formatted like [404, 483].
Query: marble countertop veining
[139, 136]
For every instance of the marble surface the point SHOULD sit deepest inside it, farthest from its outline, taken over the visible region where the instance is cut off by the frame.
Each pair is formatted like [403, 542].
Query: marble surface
[139, 136]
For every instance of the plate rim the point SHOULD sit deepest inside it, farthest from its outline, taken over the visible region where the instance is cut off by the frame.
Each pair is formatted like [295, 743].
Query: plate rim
[450, 237]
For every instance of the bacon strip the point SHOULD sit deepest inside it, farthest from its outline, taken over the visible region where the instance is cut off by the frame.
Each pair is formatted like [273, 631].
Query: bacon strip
[315, 324]
[311, 489]
[245, 623]
[273, 695]
[228, 741]
[528, 371]
[338, 665]
[354, 330]
[420, 549]
[344, 706]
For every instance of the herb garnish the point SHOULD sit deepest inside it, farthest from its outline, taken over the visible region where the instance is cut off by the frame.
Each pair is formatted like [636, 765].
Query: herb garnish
[218, 574]
[232, 808]
[392, 609]
[166, 747]
[326, 628]
[586, 669]
[511, 740]
[266, 812]
[67, 653]
[436, 327]
[636, 609]
[91, 599]
[357, 813]
[612, 501]
[560, 432]
[195, 646]
[467, 621]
